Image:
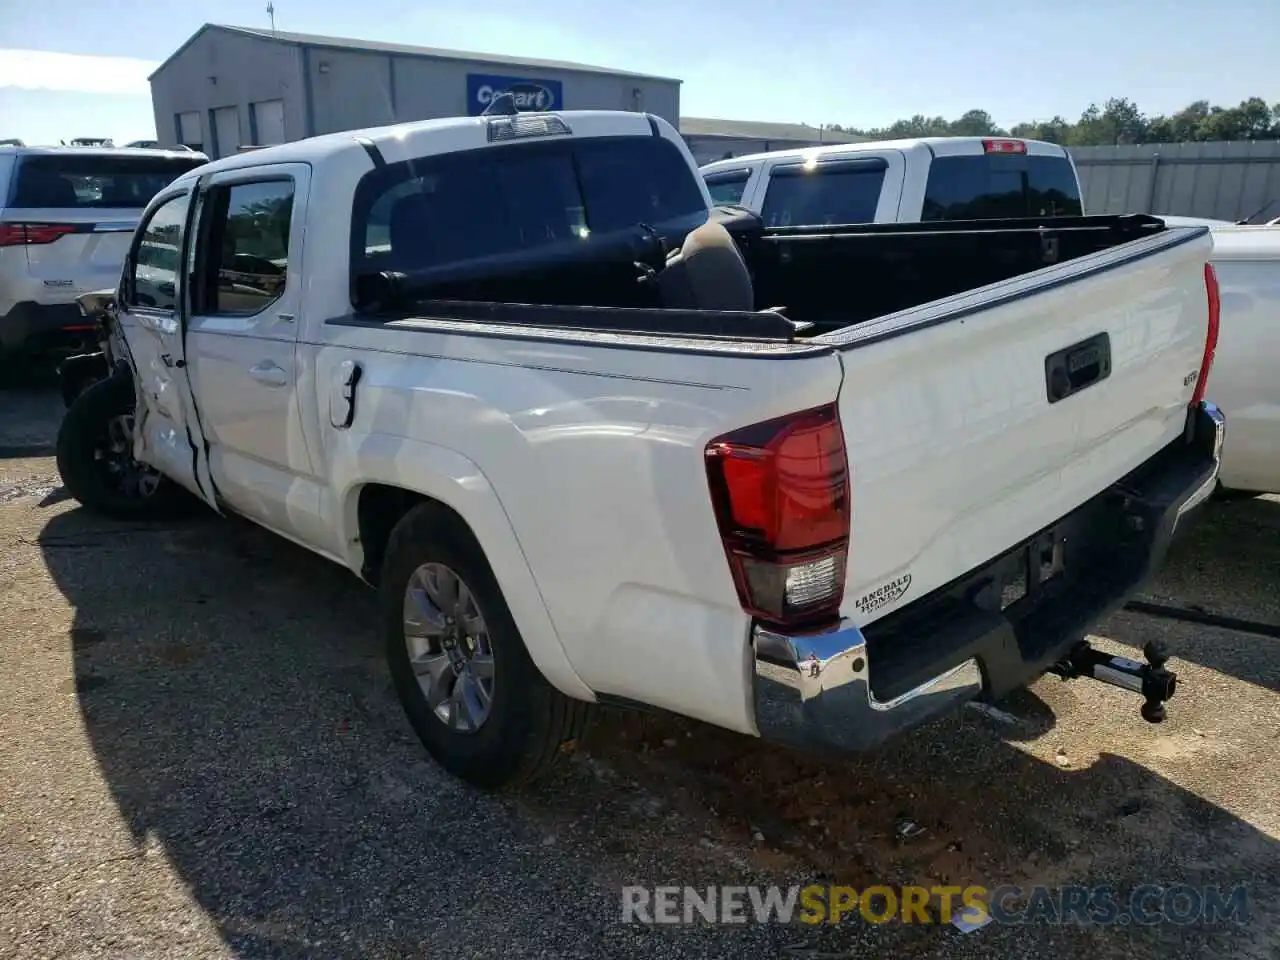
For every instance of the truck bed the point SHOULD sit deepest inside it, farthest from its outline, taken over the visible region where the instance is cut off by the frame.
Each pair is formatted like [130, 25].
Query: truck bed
[808, 280]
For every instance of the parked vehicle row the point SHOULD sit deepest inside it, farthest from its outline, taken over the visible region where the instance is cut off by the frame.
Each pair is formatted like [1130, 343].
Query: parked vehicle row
[67, 216]
[901, 181]
[578, 426]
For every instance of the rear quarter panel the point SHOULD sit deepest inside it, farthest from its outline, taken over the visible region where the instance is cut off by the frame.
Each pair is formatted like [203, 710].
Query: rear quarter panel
[595, 453]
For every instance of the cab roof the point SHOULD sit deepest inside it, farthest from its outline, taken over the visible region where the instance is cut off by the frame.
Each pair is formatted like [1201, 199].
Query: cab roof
[937, 146]
[61, 151]
[421, 138]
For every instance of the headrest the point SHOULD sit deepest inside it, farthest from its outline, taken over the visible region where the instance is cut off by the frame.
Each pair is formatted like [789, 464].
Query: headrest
[707, 273]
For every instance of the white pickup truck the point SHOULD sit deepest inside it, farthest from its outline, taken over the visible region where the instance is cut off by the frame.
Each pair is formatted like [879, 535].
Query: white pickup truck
[898, 181]
[592, 441]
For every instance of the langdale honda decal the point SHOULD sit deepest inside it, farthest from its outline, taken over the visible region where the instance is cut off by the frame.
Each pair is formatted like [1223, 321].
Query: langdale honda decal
[883, 595]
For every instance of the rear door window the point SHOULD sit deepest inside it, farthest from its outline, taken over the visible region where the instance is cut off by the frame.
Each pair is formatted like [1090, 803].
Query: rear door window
[828, 193]
[727, 186]
[997, 186]
[248, 246]
[71, 181]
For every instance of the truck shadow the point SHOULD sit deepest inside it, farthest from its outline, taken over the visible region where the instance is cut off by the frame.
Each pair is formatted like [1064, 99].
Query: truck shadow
[1224, 573]
[234, 694]
[32, 412]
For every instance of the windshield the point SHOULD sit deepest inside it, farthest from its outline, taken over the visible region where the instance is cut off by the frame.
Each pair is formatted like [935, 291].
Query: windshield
[70, 181]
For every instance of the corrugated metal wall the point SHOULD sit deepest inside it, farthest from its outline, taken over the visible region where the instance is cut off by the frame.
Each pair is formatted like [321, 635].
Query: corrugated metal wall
[1225, 181]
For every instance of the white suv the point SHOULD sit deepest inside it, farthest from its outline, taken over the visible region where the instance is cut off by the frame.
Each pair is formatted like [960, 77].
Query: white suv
[67, 216]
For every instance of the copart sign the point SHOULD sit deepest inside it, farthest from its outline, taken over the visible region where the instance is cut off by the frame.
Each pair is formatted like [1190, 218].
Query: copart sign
[531, 95]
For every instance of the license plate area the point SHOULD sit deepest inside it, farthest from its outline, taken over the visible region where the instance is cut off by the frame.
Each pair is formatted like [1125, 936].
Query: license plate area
[1077, 367]
[1040, 564]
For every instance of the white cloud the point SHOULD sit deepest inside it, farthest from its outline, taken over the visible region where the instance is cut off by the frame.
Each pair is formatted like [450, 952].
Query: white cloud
[78, 72]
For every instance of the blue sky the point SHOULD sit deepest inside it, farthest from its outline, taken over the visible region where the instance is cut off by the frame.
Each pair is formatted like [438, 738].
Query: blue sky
[856, 62]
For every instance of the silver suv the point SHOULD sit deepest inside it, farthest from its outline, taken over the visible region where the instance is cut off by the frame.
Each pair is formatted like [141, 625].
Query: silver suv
[67, 216]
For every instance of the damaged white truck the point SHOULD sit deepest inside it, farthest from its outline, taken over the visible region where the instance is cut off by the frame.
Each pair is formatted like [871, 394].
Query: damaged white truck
[593, 441]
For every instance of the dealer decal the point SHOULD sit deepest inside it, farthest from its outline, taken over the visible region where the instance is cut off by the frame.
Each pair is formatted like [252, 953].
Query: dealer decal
[884, 595]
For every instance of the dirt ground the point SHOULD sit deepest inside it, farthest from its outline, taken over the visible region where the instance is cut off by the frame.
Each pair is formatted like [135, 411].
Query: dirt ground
[201, 756]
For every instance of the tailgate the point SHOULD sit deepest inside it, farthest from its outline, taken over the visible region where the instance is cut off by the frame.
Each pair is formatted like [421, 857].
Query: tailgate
[87, 253]
[955, 449]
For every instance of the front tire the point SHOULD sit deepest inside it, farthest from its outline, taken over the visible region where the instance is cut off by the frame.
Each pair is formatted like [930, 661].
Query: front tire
[471, 692]
[95, 458]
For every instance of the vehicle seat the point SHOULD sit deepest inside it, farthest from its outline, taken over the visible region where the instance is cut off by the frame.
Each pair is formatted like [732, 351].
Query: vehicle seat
[707, 273]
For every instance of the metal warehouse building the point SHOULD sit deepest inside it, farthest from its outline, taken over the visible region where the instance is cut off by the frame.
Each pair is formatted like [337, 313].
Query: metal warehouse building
[229, 87]
[721, 139]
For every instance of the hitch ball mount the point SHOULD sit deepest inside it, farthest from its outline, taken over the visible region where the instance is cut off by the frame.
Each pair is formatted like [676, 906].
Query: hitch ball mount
[1152, 680]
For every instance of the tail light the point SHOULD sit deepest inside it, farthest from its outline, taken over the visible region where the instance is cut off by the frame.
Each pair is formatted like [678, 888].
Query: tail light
[25, 234]
[1211, 336]
[1003, 146]
[781, 495]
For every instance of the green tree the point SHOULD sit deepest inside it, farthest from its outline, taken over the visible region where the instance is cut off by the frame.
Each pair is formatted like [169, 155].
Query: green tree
[975, 123]
[1057, 130]
[1117, 121]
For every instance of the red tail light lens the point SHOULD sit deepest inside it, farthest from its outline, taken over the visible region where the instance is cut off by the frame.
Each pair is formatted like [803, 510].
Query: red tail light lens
[1211, 336]
[781, 495]
[24, 234]
[1003, 146]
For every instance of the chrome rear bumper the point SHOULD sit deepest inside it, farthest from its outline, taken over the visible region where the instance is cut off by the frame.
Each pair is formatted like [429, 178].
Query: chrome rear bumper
[814, 690]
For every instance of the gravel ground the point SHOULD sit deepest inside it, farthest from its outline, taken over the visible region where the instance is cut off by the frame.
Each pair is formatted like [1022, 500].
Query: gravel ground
[202, 757]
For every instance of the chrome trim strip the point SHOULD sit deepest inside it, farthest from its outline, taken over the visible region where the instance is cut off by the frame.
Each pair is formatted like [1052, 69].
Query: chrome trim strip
[1211, 416]
[814, 691]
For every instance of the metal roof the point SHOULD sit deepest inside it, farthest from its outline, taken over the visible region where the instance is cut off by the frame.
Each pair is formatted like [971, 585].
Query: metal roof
[761, 130]
[402, 50]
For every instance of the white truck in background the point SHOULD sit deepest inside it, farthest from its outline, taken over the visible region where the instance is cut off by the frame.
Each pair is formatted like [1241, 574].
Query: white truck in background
[593, 440]
[1244, 380]
[900, 181]
[1246, 258]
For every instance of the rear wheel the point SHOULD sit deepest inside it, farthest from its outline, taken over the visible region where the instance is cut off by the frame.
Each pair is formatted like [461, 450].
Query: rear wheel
[96, 463]
[471, 692]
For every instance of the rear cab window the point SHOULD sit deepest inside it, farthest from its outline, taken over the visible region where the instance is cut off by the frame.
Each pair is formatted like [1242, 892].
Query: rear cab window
[994, 186]
[826, 193]
[498, 205]
[74, 181]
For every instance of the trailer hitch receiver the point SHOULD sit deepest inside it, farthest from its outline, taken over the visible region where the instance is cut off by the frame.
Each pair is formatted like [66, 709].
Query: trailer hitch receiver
[1152, 680]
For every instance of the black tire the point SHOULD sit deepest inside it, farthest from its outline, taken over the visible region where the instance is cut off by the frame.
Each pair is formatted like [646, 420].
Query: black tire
[529, 720]
[84, 434]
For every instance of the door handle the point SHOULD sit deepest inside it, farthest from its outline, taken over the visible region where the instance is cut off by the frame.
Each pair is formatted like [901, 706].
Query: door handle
[269, 373]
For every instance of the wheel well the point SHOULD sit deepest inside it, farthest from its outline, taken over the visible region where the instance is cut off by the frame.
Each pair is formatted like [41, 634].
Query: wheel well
[378, 510]
[74, 371]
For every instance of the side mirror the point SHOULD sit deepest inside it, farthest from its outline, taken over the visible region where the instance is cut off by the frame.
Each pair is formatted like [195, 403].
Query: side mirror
[98, 304]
